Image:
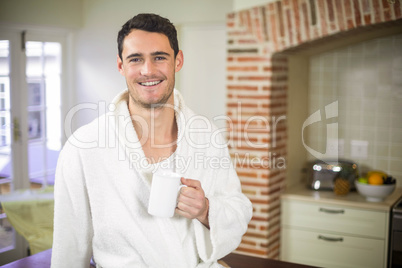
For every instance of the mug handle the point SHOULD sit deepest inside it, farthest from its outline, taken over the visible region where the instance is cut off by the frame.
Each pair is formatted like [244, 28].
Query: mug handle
[178, 191]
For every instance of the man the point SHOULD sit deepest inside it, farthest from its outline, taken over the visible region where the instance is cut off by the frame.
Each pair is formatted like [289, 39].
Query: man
[102, 191]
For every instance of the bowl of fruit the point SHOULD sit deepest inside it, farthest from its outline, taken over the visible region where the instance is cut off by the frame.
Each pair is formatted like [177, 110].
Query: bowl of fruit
[375, 186]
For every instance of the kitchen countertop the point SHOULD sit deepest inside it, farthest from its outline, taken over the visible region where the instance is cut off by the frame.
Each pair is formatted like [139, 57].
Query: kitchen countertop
[353, 199]
[42, 260]
[242, 261]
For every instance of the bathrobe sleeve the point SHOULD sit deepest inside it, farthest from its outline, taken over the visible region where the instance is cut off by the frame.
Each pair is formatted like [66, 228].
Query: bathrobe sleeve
[229, 214]
[72, 236]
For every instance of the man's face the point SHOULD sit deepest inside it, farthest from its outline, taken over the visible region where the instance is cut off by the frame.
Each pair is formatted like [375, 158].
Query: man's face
[149, 66]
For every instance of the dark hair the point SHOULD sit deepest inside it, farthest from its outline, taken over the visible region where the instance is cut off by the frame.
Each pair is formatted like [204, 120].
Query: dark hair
[150, 23]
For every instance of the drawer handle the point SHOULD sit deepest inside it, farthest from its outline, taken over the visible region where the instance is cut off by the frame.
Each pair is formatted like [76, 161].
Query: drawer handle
[332, 211]
[330, 239]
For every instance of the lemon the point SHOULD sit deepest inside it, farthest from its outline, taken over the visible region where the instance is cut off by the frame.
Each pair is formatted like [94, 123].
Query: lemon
[376, 179]
[363, 180]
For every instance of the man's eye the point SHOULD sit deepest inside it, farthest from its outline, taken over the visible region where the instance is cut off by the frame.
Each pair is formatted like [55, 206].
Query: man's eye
[160, 58]
[135, 60]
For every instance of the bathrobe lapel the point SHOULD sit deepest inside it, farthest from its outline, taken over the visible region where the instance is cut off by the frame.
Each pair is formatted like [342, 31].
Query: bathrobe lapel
[131, 150]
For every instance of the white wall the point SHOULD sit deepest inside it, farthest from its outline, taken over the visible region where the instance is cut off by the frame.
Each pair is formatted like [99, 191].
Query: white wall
[246, 4]
[203, 78]
[61, 13]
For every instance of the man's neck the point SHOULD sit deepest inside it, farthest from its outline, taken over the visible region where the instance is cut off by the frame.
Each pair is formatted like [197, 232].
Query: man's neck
[156, 129]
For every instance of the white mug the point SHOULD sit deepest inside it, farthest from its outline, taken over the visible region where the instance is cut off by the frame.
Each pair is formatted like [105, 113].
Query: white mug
[165, 189]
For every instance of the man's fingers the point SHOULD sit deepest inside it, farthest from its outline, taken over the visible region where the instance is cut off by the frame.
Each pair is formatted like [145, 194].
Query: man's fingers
[191, 183]
[187, 210]
[191, 200]
[191, 192]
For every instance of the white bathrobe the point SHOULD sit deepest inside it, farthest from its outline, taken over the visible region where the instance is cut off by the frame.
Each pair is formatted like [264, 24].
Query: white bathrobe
[102, 189]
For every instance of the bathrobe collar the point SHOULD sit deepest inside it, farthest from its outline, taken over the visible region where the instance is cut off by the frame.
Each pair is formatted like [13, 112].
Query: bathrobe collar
[128, 140]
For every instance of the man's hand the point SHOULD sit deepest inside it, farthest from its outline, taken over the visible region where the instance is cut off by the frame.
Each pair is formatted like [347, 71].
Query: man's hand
[192, 202]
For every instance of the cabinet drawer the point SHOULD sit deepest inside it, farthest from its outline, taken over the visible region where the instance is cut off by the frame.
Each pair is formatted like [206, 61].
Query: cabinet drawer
[329, 250]
[334, 218]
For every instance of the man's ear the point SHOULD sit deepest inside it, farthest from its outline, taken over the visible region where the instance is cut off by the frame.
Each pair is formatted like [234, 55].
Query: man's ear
[120, 66]
[179, 61]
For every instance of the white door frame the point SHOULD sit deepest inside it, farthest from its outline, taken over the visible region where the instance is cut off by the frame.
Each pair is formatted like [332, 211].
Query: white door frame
[19, 101]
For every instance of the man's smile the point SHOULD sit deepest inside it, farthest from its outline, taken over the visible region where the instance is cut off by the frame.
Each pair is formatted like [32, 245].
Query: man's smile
[150, 83]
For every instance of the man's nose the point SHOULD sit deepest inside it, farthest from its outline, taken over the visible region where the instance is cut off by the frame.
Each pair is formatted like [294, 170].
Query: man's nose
[147, 68]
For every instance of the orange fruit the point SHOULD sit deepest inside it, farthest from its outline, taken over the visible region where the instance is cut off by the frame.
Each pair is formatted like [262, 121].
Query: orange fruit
[382, 173]
[375, 179]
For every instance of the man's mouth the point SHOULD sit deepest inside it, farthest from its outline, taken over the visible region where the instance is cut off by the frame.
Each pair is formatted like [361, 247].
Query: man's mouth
[152, 83]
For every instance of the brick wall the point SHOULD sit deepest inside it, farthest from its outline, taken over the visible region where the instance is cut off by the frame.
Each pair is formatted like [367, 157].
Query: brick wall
[257, 78]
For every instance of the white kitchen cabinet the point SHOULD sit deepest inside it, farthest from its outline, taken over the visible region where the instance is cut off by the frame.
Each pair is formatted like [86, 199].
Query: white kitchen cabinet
[305, 246]
[325, 230]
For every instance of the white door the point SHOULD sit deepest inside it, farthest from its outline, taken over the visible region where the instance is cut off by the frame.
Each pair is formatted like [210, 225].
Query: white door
[30, 121]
